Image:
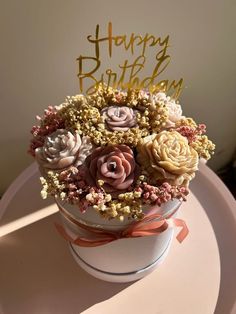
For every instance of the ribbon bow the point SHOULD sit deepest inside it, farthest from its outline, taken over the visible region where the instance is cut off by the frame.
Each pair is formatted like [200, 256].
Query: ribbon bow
[148, 226]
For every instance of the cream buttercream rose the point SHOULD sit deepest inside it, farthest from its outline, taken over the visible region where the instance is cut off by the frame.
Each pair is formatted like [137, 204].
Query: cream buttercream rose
[62, 149]
[168, 157]
[174, 111]
[114, 165]
[174, 108]
[119, 118]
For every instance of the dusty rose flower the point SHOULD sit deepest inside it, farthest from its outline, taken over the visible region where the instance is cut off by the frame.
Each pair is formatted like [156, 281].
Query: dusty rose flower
[168, 157]
[62, 149]
[119, 118]
[114, 165]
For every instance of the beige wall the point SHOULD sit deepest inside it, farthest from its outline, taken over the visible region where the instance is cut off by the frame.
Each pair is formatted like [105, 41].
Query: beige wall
[40, 41]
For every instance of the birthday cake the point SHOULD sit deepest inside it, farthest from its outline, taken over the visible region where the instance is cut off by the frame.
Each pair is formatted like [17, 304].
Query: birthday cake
[118, 161]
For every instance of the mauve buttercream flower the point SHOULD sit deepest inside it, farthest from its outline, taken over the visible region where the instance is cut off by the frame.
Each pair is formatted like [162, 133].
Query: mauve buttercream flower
[62, 149]
[114, 165]
[119, 118]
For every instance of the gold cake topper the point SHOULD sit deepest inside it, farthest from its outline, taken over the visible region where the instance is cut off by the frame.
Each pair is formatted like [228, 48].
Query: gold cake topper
[129, 72]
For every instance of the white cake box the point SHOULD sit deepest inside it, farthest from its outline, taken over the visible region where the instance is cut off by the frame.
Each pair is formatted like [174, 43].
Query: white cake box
[125, 259]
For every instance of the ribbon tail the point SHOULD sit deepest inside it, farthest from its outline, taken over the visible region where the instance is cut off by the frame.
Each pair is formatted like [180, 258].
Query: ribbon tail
[184, 229]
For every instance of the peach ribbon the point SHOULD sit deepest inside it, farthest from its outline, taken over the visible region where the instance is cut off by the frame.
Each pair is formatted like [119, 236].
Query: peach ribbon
[148, 226]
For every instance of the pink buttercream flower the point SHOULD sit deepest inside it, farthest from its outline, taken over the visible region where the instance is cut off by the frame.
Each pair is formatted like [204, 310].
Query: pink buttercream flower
[119, 118]
[114, 165]
[63, 149]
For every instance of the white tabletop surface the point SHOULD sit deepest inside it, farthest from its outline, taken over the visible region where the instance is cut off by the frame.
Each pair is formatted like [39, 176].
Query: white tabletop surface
[38, 274]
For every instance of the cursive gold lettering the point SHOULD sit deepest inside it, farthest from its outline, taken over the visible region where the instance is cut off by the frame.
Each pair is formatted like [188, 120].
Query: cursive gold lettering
[130, 73]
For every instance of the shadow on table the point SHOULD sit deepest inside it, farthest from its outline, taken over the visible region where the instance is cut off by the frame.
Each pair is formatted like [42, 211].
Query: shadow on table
[40, 275]
[28, 198]
[225, 231]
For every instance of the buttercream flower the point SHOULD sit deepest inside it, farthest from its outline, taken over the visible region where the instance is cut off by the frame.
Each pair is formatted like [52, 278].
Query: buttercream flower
[62, 149]
[168, 157]
[119, 118]
[113, 165]
[174, 112]
[174, 109]
[160, 97]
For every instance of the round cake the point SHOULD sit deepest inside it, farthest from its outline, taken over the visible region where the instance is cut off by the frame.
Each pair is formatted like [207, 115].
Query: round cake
[125, 157]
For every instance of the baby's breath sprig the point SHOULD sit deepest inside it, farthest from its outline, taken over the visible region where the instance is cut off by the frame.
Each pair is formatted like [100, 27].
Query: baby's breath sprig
[52, 185]
[196, 138]
[204, 147]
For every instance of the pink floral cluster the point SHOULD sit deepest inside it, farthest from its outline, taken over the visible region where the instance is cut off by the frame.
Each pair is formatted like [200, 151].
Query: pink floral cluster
[49, 123]
[190, 132]
[74, 183]
[76, 188]
[158, 195]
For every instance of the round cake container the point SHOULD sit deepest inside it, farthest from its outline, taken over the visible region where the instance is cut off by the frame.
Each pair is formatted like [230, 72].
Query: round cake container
[125, 259]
